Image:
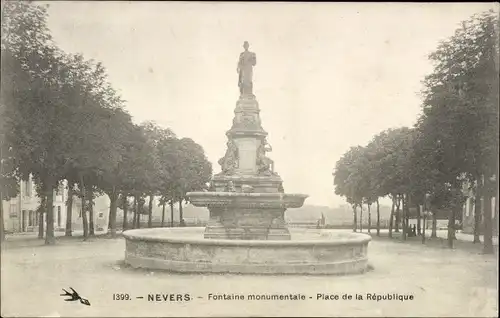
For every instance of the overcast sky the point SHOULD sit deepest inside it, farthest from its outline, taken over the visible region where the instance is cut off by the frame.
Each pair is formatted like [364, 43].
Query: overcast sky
[328, 75]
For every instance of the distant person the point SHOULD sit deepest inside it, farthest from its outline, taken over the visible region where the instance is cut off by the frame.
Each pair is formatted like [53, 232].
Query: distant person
[182, 223]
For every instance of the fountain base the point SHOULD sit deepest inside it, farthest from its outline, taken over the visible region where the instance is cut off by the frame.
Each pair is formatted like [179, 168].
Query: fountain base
[246, 216]
[307, 252]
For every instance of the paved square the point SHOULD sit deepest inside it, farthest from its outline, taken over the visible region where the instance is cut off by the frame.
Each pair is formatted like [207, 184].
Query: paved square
[442, 282]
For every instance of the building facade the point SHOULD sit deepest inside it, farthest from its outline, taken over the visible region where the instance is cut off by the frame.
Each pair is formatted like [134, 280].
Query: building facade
[468, 215]
[20, 212]
[469, 212]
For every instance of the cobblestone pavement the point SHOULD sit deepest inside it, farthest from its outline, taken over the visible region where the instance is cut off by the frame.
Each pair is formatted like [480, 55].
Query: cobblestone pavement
[442, 282]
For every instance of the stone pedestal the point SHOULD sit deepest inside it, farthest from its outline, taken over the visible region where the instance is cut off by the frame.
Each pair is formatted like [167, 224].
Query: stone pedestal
[247, 216]
[247, 133]
[246, 200]
[246, 224]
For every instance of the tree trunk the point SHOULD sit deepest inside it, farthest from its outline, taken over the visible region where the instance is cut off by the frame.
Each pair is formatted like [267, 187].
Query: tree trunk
[2, 231]
[171, 203]
[361, 217]
[451, 224]
[49, 234]
[140, 208]
[378, 218]
[41, 222]
[434, 225]
[495, 207]
[488, 228]
[84, 211]
[181, 217]
[398, 214]
[85, 220]
[43, 201]
[369, 218]
[91, 212]
[456, 208]
[419, 220]
[495, 217]
[423, 228]
[69, 210]
[163, 214]
[136, 215]
[113, 206]
[150, 212]
[404, 226]
[407, 213]
[125, 210]
[478, 210]
[355, 216]
[391, 217]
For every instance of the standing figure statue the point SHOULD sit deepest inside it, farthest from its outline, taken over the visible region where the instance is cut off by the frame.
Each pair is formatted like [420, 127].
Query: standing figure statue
[245, 70]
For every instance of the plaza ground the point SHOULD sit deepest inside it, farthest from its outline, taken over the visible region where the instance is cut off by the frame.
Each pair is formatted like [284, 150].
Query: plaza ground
[443, 282]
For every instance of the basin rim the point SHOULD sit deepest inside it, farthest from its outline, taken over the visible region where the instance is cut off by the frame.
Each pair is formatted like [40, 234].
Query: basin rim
[276, 195]
[141, 235]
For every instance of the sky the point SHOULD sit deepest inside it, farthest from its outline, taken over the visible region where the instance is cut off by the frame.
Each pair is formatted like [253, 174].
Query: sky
[328, 76]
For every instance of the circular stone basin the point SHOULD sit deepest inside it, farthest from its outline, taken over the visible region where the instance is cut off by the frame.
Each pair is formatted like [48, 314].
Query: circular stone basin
[308, 252]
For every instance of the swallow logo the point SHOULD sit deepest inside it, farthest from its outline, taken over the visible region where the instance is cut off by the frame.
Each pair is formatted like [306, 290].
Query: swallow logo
[74, 296]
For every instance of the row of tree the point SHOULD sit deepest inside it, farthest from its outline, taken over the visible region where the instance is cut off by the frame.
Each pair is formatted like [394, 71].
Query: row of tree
[452, 148]
[62, 120]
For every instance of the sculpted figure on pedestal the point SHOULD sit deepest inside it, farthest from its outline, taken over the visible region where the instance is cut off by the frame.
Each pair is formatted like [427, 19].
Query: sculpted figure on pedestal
[267, 146]
[264, 164]
[230, 187]
[230, 160]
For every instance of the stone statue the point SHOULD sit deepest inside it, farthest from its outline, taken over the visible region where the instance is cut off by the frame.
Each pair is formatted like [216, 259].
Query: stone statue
[264, 164]
[267, 146]
[230, 160]
[245, 70]
[230, 186]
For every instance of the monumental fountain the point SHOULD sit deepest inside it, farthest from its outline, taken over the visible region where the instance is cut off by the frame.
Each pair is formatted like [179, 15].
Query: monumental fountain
[246, 231]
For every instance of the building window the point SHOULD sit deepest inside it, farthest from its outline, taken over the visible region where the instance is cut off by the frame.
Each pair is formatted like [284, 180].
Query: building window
[100, 215]
[13, 211]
